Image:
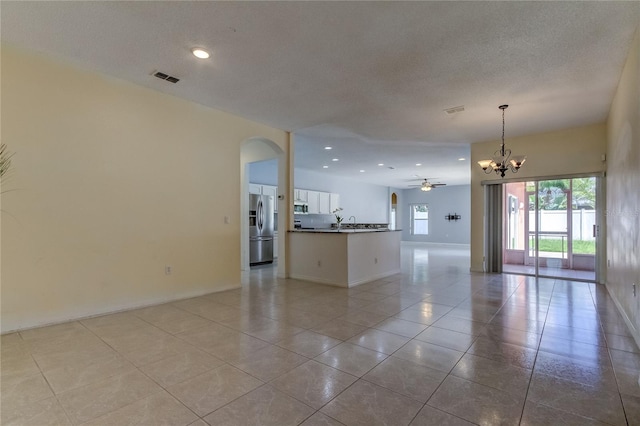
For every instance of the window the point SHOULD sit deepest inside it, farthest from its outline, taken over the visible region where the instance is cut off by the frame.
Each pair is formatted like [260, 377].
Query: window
[419, 219]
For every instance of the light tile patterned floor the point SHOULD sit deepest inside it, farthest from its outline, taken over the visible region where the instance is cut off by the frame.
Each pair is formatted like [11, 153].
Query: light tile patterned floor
[434, 345]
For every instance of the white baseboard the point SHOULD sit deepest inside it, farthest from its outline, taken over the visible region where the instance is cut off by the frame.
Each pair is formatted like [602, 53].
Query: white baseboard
[374, 278]
[81, 315]
[429, 243]
[317, 280]
[635, 332]
[345, 285]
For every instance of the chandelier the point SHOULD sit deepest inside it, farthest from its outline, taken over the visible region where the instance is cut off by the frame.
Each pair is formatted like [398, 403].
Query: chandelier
[502, 160]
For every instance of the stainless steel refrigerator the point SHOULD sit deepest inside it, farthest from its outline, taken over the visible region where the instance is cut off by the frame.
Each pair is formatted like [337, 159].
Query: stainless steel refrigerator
[260, 229]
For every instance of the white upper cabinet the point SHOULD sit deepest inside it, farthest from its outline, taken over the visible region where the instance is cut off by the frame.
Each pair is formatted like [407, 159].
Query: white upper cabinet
[317, 202]
[255, 189]
[313, 199]
[324, 205]
[300, 195]
[334, 202]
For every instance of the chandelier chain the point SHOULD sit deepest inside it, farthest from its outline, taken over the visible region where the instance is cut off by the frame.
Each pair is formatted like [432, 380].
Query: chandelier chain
[502, 160]
[503, 130]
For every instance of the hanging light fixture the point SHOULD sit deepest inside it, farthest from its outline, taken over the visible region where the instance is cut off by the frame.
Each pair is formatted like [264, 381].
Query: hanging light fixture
[426, 186]
[502, 160]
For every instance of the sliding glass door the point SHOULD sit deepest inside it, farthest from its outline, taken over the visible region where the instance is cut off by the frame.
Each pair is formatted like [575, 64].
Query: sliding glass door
[550, 228]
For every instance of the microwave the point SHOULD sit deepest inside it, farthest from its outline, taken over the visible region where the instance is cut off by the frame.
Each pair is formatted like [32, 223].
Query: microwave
[300, 207]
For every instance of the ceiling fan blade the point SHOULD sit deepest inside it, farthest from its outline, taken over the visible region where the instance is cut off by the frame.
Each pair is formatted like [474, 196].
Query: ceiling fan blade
[419, 179]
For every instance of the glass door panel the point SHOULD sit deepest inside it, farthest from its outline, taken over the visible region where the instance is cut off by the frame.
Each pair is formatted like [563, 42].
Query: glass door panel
[550, 228]
[584, 227]
[553, 236]
[530, 258]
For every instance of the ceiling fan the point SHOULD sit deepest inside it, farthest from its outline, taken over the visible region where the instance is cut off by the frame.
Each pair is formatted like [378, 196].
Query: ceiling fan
[427, 186]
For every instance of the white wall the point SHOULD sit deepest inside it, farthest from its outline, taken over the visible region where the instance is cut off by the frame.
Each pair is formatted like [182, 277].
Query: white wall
[354, 196]
[623, 197]
[367, 202]
[112, 182]
[264, 172]
[442, 201]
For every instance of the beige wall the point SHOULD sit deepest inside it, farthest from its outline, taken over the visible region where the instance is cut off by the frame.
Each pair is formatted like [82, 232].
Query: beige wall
[565, 152]
[111, 183]
[623, 195]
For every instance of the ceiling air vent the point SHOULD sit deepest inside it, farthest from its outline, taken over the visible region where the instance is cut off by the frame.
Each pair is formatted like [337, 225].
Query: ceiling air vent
[163, 76]
[454, 110]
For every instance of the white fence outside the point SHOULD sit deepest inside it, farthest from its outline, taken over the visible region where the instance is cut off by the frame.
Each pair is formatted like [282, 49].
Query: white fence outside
[556, 221]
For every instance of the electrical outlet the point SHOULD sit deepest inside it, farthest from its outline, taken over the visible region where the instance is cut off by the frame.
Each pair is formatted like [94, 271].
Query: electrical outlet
[319, 264]
[375, 260]
[168, 270]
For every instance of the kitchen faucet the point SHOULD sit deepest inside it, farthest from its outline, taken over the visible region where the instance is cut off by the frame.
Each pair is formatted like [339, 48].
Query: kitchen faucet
[354, 219]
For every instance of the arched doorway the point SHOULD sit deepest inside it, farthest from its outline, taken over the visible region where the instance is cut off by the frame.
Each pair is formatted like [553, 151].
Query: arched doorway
[393, 216]
[255, 150]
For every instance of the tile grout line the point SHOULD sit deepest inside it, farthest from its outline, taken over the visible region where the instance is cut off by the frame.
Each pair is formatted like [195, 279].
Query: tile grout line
[533, 366]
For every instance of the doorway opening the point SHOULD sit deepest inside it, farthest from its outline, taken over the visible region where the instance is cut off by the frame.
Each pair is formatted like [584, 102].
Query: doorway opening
[551, 228]
[393, 218]
[263, 213]
[262, 172]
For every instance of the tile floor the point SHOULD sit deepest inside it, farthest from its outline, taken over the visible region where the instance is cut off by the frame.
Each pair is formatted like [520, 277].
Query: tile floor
[434, 345]
[569, 274]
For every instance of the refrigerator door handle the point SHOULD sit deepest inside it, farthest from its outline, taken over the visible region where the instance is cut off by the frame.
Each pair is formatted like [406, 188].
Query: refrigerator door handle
[259, 218]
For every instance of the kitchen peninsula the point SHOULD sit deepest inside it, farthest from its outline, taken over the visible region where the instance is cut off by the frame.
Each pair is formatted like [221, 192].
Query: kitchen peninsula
[344, 257]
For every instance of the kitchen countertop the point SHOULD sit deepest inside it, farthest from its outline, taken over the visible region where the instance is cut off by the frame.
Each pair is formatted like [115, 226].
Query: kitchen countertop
[343, 231]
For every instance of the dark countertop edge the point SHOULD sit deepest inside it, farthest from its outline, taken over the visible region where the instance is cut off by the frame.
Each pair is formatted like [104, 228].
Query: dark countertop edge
[342, 231]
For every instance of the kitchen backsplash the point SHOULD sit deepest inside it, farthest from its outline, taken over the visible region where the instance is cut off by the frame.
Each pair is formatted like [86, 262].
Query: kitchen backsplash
[317, 221]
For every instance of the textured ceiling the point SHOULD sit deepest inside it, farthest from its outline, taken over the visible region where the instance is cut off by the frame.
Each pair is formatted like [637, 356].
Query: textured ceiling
[370, 79]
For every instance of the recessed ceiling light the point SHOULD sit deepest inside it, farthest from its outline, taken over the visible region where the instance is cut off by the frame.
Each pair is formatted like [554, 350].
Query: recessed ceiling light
[335, 159]
[361, 171]
[461, 159]
[325, 167]
[200, 53]
[418, 164]
[380, 164]
[328, 148]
